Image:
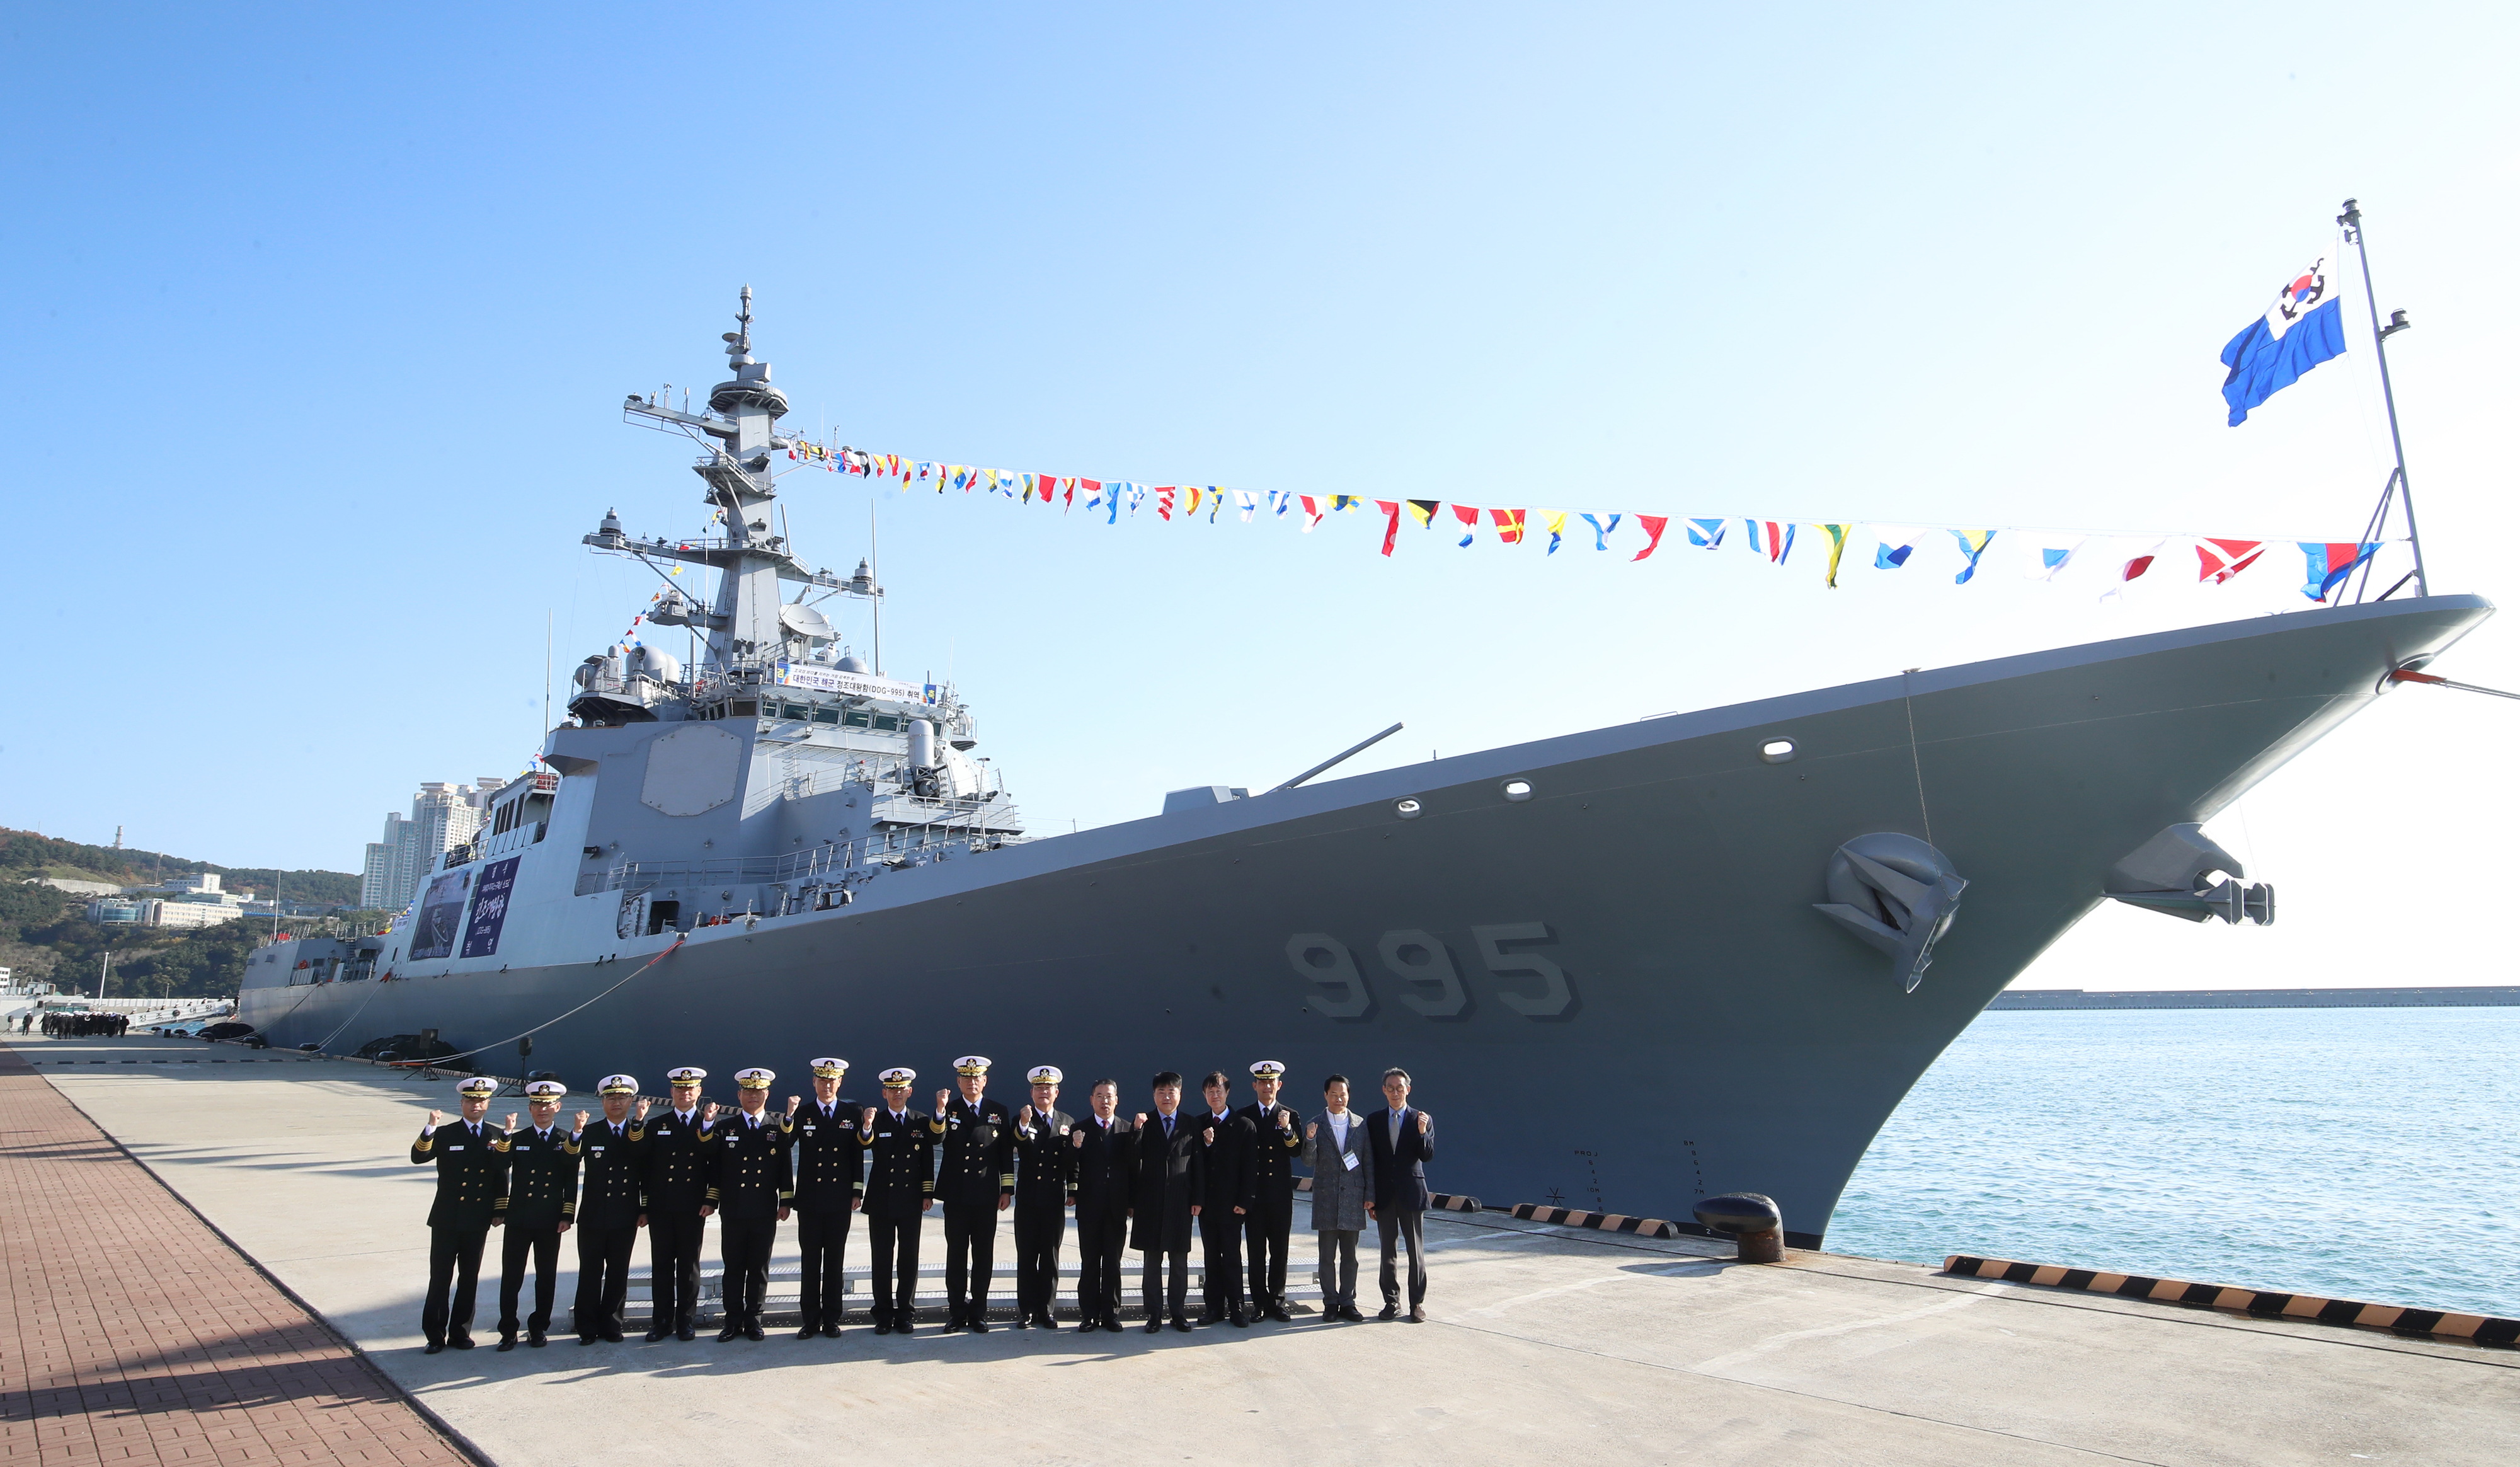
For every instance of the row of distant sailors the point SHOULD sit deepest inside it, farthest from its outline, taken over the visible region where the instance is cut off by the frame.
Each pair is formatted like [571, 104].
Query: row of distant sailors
[1146, 1180]
[78, 1026]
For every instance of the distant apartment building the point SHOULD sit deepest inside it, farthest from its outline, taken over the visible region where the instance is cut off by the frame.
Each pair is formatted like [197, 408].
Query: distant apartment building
[442, 817]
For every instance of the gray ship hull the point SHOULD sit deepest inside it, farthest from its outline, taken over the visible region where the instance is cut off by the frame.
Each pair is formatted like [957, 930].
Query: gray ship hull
[1613, 993]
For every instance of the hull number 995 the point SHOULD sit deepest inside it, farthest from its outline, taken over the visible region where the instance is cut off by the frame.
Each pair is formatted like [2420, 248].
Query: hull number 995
[1429, 980]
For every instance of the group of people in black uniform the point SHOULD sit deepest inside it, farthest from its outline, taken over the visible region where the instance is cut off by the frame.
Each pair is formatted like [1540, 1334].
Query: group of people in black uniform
[82, 1026]
[1149, 1180]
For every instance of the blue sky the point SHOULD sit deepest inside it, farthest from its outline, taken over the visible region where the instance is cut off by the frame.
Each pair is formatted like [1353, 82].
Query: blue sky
[318, 322]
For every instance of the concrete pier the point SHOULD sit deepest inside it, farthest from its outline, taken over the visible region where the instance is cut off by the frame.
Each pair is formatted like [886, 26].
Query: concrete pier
[1544, 1342]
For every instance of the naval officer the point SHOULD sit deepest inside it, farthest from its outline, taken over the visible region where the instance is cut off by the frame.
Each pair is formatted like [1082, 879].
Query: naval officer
[1044, 1189]
[975, 1179]
[541, 1204]
[900, 1186]
[1104, 1177]
[750, 1185]
[611, 1168]
[471, 1183]
[677, 1144]
[827, 1145]
[1278, 1140]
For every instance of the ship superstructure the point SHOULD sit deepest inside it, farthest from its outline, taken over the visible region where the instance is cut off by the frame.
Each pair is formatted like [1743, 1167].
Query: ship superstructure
[1762, 922]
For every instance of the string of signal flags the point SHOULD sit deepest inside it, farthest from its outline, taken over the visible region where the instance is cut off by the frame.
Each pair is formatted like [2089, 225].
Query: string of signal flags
[2043, 555]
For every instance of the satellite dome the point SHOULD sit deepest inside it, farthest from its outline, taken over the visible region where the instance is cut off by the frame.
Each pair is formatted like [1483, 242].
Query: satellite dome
[853, 663]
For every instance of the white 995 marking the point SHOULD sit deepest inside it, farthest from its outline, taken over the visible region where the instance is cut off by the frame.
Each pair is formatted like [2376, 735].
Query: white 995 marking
[1429, 979]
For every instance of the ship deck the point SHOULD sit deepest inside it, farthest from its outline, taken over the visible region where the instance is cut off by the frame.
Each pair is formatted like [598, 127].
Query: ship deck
[1544, 1342]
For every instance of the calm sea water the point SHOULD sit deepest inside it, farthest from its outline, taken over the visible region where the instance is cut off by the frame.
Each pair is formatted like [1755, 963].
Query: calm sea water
[2367, 1154]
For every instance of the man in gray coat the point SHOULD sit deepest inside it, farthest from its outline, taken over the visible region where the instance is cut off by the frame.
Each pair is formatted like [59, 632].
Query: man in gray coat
[1341, 1156]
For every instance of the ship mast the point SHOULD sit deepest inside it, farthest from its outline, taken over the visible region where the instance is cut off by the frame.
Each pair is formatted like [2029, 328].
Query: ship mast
[741, 631]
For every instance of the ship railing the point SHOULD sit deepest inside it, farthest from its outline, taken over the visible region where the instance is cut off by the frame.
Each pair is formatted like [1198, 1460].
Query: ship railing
[821, 862]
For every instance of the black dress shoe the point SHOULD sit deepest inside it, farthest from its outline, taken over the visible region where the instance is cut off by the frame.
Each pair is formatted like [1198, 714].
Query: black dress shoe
[1048, 1322]
[459, 1341]
[752, 1330]
[584, 1340]
[953, 1326]
[831, 1332]
[686, 1334]
[1023, 1323]
[1278, 1311]
[537, 1339]
[1181, 1324]
[1352, 1314]
[1154, 1326]
[729, 1333]
[809, 1332]
[657, 1334]
[905, 1327]
[613, 1337]
[1236, 1320]
[1416, 1314]
[976, 1325]
[1390, 1312]
[506, 1343]
[883, 1326]
[434, 1345]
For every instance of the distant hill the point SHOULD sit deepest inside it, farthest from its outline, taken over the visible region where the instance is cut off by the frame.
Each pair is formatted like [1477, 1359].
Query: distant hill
[25, 854]
[45, 934]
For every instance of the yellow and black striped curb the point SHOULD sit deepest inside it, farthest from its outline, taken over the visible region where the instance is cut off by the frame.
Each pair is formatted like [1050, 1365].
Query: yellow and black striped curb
[1608, 1223]
[1444, 1201]
[2480, 1329]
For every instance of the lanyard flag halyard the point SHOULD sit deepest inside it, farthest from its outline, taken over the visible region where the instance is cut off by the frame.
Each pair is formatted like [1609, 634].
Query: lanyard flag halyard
[2306, 326]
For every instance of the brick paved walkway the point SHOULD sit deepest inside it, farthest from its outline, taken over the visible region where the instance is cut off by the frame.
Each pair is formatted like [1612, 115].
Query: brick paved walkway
[183, 1353]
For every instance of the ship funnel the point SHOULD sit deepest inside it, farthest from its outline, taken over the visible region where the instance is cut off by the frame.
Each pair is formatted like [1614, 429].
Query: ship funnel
[1898, 895]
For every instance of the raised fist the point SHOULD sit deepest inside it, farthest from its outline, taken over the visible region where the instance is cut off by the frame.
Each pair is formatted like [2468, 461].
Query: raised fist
[1207, 1136]
[436, 1118]
[1141, 1118]
[868, 1122]
[1425, 1121]
[1024, 1116]
[708, 1112]
[794, 1101]
[642, 1113]
[512, 1123]
[581, 1121]
[941, 1097]
[1286, 1120]
[1079, 1141]
[1313, 1130]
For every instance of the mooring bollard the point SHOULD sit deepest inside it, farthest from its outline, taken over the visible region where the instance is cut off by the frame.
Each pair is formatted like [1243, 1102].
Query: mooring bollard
[1752, 1220]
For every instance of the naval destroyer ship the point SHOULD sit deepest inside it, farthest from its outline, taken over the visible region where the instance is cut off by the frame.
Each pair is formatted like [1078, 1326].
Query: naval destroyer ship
[1757, 924]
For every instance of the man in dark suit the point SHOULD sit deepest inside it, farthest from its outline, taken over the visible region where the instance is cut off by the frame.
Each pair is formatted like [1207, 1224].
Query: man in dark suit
[1223, 1202]
[975, 1179]
[828, 1146]
[678, 1165]
[899, 1190]
[1044, 1189]
[753, 1186]
[541, 1204]
[611, 1208]
[1172, 1179]
[471, 1183]
[1104, 1175]
[1404, 1142]
[1277, 1141]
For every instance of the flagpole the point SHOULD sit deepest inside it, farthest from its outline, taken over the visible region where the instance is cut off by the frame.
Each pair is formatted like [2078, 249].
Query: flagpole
[2352, 219]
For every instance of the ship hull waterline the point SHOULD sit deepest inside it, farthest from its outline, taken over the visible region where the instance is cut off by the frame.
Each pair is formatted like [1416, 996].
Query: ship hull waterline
[1704, 1029]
